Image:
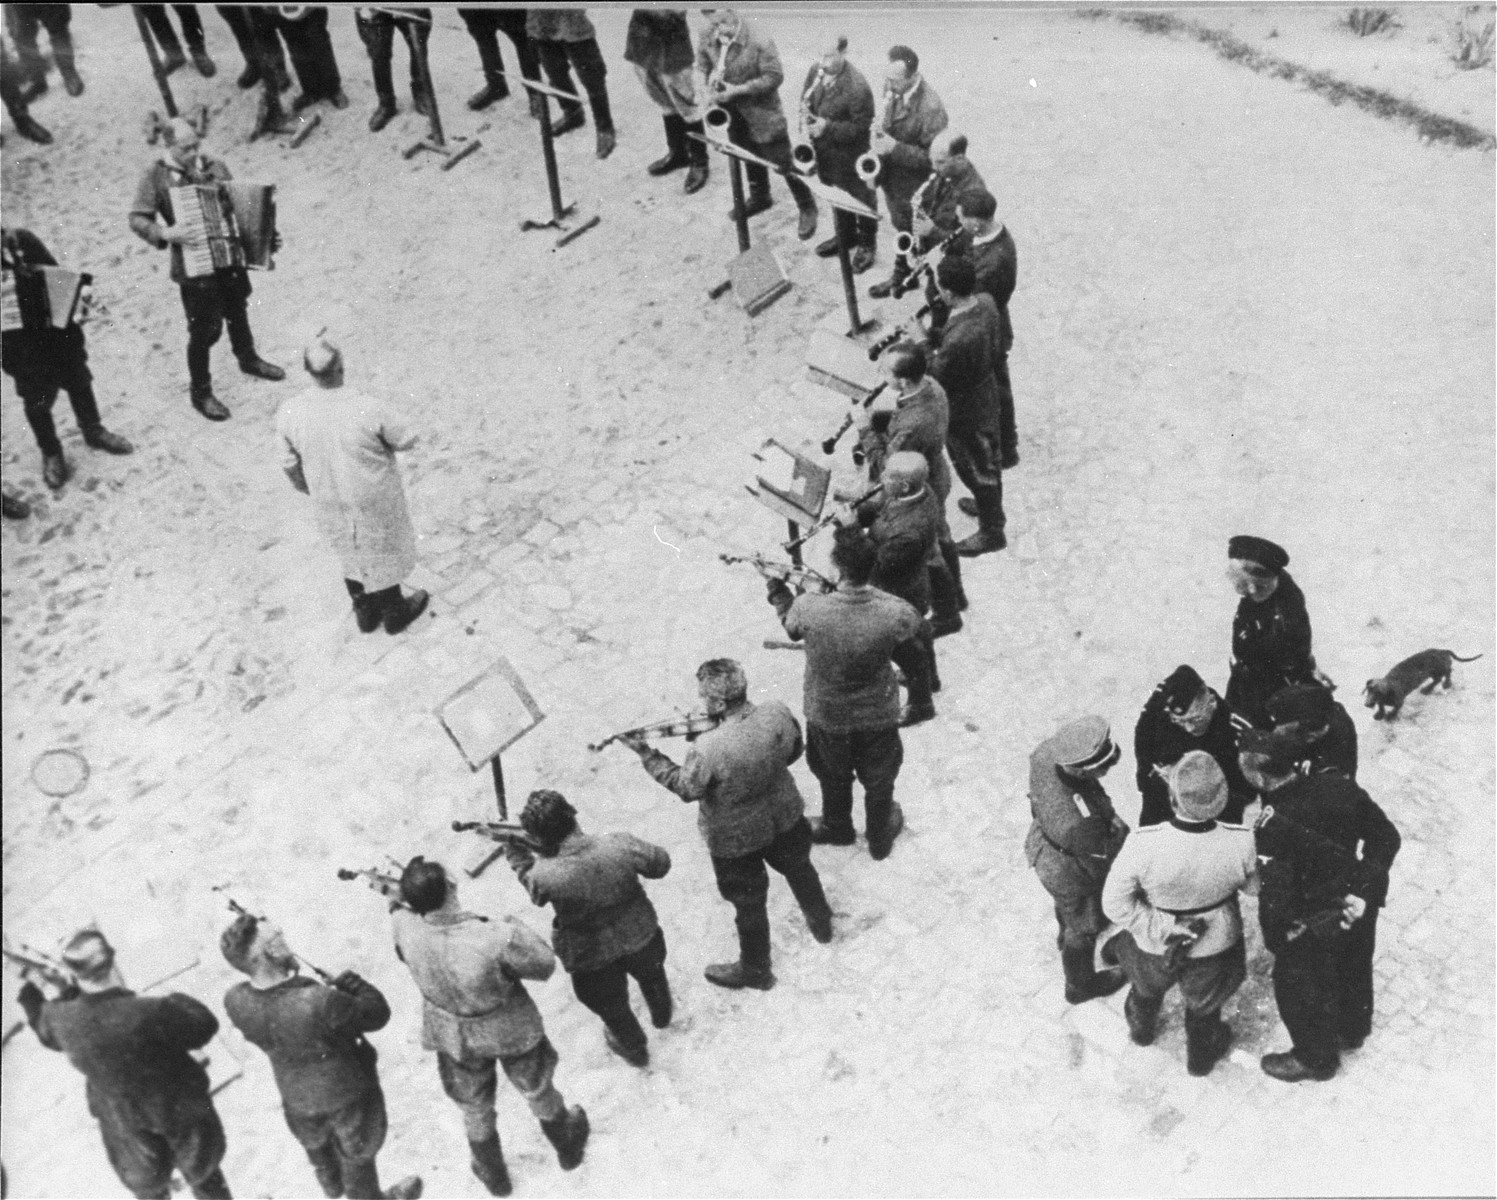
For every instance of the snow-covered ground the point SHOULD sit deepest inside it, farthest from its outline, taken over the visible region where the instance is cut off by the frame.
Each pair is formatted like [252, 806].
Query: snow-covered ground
[1240, 309]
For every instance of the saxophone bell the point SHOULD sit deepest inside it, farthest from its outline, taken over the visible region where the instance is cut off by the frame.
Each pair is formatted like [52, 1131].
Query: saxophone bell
[715, 121]
[904, 244]
[869, 165]
[803, 156]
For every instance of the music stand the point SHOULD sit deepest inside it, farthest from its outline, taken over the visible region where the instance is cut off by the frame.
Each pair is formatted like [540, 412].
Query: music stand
[434, 141]
[484, 717]
[559, 211]
[755, 276]
[796, 492]
[835, 198]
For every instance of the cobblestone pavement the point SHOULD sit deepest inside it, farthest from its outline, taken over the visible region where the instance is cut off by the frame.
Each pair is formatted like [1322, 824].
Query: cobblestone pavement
[1240, 309]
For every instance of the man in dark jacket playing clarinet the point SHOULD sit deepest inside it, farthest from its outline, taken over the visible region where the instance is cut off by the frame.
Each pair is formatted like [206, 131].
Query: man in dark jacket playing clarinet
[750, 813]
[838, 107]
[148, 1093]
[313, 1034]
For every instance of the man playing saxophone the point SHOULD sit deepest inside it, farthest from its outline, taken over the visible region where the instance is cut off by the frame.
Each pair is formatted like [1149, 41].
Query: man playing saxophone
[743, 78]
[837, 114]
[910, 116]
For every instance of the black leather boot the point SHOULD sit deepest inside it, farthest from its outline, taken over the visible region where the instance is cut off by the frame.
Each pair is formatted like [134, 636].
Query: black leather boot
[488, 1165]
[1207, 1038]
[676, 155]
[696, 177]
[752, 968]
[568, 1133]
[1082, 982]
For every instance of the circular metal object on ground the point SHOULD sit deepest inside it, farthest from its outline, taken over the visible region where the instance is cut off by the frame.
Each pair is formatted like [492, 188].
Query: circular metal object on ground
[60, 772]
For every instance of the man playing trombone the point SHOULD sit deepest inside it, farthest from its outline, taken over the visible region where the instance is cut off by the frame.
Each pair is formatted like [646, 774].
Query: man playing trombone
[750, 813]
[909, 118]
[743, 79]
[836, 115]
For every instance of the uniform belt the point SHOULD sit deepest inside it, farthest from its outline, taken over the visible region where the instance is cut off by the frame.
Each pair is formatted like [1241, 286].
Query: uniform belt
[1195, 912]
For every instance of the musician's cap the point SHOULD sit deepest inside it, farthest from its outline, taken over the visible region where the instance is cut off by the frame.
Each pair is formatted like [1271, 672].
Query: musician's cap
[1084, 745]
[1197, 786]
[1274, 750]
[88, 954]
[237, 941]
[1180, 689]
[1307, 704]
[1259, 552]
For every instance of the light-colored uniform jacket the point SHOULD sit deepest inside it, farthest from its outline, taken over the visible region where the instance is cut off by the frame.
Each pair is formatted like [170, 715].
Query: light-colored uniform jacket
[469, 971]
[344, 444]
[1167, 874]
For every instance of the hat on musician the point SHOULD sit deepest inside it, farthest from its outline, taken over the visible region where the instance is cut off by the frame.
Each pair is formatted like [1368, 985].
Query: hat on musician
[1198, 788]
[89, 955]
[1267, 557]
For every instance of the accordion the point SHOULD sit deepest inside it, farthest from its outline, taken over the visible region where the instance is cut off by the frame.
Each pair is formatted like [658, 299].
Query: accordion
[230, 224]
[33, 297]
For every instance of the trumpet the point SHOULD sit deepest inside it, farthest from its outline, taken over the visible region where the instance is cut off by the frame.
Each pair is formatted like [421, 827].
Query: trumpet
[691, 726]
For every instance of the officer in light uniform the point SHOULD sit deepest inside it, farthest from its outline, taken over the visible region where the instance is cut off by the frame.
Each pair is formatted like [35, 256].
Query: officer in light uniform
[1173, 890]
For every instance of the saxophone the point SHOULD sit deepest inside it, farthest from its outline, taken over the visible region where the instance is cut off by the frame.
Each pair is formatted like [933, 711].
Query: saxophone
[870, 164]
[802, 152]
[716, 120]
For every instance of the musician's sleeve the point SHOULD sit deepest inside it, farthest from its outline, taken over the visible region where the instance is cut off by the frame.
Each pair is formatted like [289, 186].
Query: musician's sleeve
[914, 155]
[291, 464]
[34, 1005]
[144, 210]
[785, 605]
[691, 780]
[770, 75]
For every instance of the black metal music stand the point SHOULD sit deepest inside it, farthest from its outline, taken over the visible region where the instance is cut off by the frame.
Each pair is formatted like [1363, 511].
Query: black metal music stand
[755, 276]
[559, 211]
[434, 140]
[836, 198]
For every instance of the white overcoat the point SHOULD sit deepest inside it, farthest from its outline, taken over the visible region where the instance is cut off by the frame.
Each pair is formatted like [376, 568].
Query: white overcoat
[344, 445]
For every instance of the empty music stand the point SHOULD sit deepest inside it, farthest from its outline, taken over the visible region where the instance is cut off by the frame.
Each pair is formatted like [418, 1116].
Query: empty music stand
[434, 141]
[790, 484]
[755, 276]
[484, 717]
[559, 211]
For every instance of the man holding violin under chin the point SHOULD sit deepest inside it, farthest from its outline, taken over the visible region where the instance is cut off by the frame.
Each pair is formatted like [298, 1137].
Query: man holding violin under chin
[749, 811]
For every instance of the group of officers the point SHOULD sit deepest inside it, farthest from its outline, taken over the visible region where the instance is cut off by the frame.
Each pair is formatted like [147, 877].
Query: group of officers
[1156, 907]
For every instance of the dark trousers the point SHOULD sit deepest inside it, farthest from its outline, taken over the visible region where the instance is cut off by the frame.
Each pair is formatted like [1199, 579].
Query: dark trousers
[166, 36]
[854, 230]
[378, 33]
[484, 25]
[605, 989]
[744, 883]
[210, 304]
[254, 29]
[27, 20]
[144, 1158]
[898, 199]
[976, 457]
[559, 57]
[776, 151]
[1205, 983]
[66, 369]
[10, 87]
[342, 1145]
[311, 51]
[1008, 430]
[873, 757]
[1323, 988]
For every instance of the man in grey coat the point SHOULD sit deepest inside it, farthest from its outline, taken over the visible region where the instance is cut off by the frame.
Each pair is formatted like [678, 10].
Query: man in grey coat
[605, 929]
[339, 448]
[750, 813]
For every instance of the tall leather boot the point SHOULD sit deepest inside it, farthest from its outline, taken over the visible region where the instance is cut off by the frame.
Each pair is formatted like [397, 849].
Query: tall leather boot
[328, 1168]
[990, 522]
[62, 55]
[946, 616]
[215, 1187]
[568, 1134]
[656, 990]
[675, 147]
[1082, 982]
[488, 1164]
[953, 562]
[696, 177]
[752, 968]
[1207, 1038]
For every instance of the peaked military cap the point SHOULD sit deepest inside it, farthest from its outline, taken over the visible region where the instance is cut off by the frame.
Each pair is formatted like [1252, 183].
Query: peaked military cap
[1180, 688]
[1084, 744]
[1264, 553]
[1307, 703]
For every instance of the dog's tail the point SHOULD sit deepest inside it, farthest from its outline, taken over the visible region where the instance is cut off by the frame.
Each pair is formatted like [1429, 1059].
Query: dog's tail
[1458, 658]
